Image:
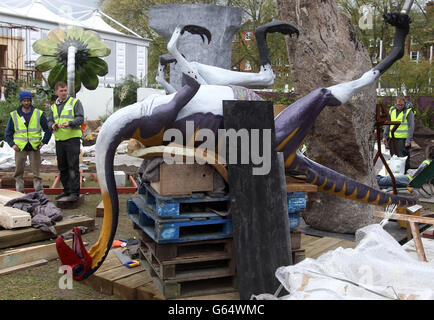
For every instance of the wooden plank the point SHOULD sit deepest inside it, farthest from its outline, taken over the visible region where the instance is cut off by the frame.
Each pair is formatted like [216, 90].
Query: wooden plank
[126, 288]
[315, 246]
[11, 238]
[417, 241]
[324, 246]
[23, 266]
[176, 150]
[6, 195]
[149, 291]
[184, 179]
[19, 256]
[221, 296]
[306, 239]
[64, 204]
[100, 209]
[103, 281]
[428, 246]
[405, 217]
[301, 187]
[9, 182]
[12, 218]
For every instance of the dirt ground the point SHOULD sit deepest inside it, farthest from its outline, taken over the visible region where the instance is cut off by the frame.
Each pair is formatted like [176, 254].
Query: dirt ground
[42, 283]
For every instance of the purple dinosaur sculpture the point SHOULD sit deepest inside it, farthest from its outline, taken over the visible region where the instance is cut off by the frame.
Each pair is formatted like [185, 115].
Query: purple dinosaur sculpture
[147, 121]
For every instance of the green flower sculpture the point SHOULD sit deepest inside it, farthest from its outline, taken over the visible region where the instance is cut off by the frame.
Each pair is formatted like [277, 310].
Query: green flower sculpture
[88, 65]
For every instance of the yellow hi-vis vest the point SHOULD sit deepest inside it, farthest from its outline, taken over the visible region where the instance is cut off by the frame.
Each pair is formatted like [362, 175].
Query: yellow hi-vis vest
[66, 115]
[402, 131]
[24, 134]
[410, 177]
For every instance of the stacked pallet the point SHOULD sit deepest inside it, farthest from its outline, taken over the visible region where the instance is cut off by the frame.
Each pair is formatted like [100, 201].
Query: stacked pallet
[186, 240]
[296, 204]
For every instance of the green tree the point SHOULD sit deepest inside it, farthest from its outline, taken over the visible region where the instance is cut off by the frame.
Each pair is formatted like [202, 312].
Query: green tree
[257, 13]
[421, 29]
[134, 15]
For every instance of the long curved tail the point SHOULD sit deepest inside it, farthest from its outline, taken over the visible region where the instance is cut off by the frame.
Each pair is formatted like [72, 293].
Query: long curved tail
[118, 127]
[335, 183]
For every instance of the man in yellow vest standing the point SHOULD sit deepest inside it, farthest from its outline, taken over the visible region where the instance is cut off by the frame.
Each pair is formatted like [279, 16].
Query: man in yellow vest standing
[402, 112]
[24, 134]
[65, 118]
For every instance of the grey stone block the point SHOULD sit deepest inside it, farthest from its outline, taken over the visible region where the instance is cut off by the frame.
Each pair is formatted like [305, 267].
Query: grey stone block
[223, 22]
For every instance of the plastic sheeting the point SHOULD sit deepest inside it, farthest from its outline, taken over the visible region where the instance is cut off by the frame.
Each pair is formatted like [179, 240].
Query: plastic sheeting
[7, 156]
[377, 268]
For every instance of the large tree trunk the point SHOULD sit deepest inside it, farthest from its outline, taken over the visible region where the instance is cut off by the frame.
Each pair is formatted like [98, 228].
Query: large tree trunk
[329, 51]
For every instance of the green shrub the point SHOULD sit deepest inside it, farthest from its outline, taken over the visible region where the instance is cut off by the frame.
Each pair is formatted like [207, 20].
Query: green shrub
[126, 93]
[11, 88]
[6, 107]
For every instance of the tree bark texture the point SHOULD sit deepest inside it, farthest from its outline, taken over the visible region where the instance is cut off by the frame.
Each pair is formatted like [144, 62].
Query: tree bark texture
[327, 52]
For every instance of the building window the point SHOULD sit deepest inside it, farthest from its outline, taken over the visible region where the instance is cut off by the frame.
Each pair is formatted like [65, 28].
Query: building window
[3, 54]
[247, 66]
[248, 35]
[414, 55]
[412, 41]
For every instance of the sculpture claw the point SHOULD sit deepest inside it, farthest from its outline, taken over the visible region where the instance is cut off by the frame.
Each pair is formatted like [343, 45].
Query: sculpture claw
[397, 19]
[193, 29]
[166, 59]
[279, 26]
[76, 257]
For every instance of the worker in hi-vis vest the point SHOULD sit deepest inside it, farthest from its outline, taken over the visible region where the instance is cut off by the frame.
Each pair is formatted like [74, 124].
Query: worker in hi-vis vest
[65, 118]
[23, 133]
[402, 111]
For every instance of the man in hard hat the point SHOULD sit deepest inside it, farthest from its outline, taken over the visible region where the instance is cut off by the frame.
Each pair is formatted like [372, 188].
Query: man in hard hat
[24, 134]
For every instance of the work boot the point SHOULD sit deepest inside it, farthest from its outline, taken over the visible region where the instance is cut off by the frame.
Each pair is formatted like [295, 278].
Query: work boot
[63, 194]
[72, 197]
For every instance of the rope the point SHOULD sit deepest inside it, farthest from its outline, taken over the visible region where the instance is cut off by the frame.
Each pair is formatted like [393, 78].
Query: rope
[390, 210]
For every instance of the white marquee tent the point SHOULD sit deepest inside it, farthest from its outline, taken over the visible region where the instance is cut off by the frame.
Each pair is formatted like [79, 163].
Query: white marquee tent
[32, 22]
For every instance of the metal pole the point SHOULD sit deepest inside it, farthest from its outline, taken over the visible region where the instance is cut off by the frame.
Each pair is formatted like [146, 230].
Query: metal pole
[120, 24]
[430, 63]
[379, 59]
[407, 6]
[71, 70]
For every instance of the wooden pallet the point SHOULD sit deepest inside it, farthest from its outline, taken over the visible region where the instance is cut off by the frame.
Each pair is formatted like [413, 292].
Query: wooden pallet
[193, 206]
[177, 230]
[202, 266]
[184, 250]
[173, 289]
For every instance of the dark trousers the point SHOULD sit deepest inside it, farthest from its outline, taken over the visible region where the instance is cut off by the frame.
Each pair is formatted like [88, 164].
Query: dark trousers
[68, 153]
[401, 151]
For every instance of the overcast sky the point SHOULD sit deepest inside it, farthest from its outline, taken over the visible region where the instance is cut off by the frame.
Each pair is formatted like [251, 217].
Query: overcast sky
[53, 4]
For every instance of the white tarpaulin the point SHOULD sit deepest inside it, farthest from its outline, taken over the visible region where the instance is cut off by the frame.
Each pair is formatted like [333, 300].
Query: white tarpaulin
[377, 268]
[7, 156]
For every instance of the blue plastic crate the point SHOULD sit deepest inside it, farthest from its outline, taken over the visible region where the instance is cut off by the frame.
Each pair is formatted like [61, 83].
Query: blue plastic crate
[177, 230]
[296, 205]
[294, 220]
[296, 195]
[180, 206]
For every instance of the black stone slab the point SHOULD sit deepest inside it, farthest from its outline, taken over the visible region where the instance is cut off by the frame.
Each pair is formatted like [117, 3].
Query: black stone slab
[259, 205]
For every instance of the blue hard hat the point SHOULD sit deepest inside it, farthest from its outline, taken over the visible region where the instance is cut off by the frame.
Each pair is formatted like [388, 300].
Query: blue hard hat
[25, 95]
